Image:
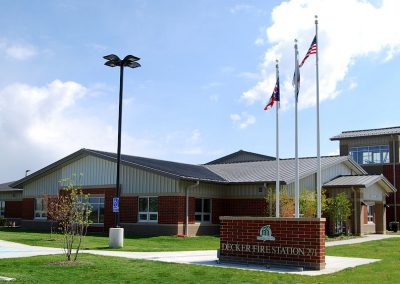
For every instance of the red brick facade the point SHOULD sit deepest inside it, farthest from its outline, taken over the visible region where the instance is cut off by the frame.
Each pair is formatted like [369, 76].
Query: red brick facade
[13, 209]
[388, 173]
[238, 207]
[128, 209]
[28, 208]
[298, 242]
[171, 209]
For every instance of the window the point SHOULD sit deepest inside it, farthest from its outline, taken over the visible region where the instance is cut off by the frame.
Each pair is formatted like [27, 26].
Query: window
[2, 208]
[203, 210]
[370, 154]
[370, 213]
[148, 209]
[97, 210]
[40, 208]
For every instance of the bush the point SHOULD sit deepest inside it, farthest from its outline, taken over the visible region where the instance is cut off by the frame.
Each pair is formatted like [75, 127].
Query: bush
[2, 221]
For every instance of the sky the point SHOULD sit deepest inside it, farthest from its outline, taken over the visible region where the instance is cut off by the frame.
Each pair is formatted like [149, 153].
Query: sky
[208, 69]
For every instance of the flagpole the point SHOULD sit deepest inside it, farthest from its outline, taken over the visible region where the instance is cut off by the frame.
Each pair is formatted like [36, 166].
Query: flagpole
[296, 188]
[277, 184]
[318, 130]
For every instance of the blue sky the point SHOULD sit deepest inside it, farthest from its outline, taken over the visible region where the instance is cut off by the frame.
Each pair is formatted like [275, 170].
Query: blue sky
[207, 71]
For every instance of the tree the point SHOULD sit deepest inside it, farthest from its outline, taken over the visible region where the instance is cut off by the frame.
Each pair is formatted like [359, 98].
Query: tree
[71, 210]
[339, 208]
[286, 203]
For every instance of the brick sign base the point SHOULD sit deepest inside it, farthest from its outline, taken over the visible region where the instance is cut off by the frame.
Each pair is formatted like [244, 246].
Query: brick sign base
[296, 242]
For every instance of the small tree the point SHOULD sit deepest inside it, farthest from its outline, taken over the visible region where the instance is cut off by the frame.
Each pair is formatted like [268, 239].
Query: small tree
[286, 203]
[71, 210]
[339, 208]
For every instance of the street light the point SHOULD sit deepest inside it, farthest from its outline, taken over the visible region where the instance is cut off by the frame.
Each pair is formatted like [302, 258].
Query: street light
[114, 61]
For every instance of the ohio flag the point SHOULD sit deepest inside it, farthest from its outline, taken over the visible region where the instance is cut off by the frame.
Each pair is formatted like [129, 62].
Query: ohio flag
[275, 97]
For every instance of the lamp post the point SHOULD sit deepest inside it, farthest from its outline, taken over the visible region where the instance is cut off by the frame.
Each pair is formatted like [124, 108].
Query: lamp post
[114, 61]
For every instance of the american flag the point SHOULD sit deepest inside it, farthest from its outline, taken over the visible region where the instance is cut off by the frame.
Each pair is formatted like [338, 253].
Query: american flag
[311, 50]
[275, 97]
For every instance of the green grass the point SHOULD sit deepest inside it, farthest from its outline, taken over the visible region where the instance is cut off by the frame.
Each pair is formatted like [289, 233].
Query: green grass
[100, 241]
[120, 270]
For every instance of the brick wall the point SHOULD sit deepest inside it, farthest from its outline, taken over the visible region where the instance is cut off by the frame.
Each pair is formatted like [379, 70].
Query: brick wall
[238, 207]
[171, 209]
[298, 242]
[28, 207]
[128, 209]
[13, 209]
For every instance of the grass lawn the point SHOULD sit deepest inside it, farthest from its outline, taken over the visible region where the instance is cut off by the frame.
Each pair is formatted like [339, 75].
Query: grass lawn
[100, 241]
[98, 269]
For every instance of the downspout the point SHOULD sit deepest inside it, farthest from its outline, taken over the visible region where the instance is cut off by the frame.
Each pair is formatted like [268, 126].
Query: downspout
[187, 205]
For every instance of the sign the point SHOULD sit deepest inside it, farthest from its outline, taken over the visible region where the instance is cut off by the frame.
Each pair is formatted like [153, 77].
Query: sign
[115, 204]
[266, 234]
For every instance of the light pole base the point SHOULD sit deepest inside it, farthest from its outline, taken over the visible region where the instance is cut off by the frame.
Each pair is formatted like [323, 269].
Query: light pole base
[116, 238]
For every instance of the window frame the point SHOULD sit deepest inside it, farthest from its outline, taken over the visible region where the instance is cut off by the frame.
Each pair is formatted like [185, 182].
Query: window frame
[148, 213]
[370, 155]
[43, 211]
[99, 208]
[370, 218]
[2, 208]
[202, 213]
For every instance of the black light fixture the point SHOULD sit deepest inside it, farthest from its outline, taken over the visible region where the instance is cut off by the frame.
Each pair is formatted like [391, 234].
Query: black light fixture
[113, 61]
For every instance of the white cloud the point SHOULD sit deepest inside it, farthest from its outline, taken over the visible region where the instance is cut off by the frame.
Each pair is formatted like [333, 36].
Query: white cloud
[41, 124]
[259, 41]
[18, 51]
[243, 120]
[345, 35]
[241, 8]
[195, 135]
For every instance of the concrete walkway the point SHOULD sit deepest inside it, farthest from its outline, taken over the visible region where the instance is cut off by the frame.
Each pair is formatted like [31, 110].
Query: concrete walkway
[206, 257]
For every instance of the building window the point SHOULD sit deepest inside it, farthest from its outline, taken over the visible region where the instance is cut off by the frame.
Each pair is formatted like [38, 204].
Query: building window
[2, 208]
[40, 208]
[370, 213]
[97, 210]
[148, 209]
[370, 154]
[203, 210]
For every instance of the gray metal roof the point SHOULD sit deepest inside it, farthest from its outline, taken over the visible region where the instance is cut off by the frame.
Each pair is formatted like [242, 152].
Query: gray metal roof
[367, 132]
[179, 170]
[361, 181]
[265, 171]
[241, 157]
[249, 172]
[5, 187]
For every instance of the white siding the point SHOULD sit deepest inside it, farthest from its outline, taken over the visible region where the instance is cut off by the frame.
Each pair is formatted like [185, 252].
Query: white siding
[91, 171]
[374, 193]
[48, 184]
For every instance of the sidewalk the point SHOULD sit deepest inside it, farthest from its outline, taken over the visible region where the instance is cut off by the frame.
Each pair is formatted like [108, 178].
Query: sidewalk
[206, 257]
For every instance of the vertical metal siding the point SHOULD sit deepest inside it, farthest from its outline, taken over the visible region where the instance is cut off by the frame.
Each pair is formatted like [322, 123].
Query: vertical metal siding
[14, 195]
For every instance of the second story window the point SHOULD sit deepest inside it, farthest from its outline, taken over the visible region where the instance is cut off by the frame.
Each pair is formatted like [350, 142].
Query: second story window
[370, 154]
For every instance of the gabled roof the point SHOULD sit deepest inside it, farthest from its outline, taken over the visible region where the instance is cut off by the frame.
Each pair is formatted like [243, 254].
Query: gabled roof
[246, 172]
[173, 169]
[178, 170]
[367, 133]
[241, 157]
[360, 181]
[265, 171]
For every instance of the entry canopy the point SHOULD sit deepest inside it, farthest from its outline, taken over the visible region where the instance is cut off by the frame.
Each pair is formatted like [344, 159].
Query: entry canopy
[360, 181]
